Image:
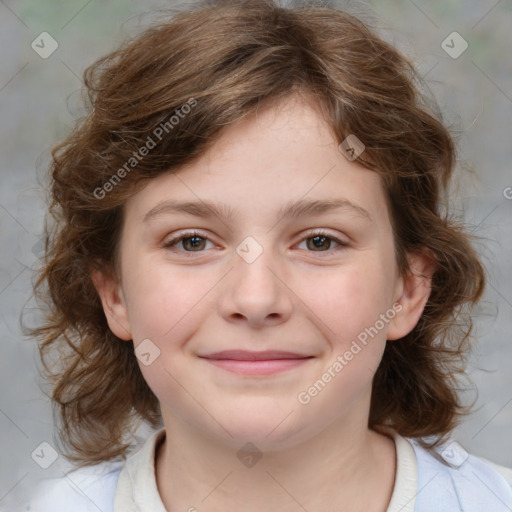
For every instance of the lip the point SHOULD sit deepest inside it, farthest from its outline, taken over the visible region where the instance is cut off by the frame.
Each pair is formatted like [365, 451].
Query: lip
[247, 355]
[267, 362]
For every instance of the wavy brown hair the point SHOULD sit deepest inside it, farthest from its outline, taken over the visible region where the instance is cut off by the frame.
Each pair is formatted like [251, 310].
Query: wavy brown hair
[228, 58]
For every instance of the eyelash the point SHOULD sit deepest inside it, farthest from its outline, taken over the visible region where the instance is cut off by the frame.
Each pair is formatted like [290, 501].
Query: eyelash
[191, 234]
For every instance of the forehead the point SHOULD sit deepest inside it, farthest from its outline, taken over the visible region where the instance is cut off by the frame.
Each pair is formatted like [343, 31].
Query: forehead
[280, 155]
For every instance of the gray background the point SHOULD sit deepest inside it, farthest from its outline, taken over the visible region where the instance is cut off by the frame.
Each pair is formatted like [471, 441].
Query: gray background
[40, 98]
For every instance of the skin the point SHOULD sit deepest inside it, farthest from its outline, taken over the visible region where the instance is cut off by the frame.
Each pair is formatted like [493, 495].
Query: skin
[292, 297]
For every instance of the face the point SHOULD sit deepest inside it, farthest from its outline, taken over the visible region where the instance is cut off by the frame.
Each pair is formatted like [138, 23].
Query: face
[286, 256]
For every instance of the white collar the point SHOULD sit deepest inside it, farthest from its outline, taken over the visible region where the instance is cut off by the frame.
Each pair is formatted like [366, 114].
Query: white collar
[137, 490]
[136, 487]
[403, 498]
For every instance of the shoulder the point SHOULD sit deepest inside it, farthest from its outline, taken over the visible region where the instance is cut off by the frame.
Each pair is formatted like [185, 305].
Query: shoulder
[503, 470]
[87, 489]
[449, 476]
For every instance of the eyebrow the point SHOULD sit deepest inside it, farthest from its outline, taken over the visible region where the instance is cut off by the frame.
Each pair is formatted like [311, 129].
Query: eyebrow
[293, 209]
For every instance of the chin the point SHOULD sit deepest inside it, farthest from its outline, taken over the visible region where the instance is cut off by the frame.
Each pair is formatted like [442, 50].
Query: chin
[268, 430]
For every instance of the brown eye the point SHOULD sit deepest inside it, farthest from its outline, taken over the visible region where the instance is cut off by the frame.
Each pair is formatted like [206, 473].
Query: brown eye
[322, 242]
[319, 242]
[191, 242]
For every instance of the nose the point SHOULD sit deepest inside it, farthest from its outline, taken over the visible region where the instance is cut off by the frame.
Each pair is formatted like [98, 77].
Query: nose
[256, 291]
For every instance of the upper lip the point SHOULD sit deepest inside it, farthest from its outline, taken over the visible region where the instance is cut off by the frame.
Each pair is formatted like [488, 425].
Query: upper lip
[245, 355]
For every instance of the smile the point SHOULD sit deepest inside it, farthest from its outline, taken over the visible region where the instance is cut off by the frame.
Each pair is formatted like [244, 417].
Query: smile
[256, 363]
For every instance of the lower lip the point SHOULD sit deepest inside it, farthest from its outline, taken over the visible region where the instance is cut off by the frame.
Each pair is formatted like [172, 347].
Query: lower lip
[266, 367]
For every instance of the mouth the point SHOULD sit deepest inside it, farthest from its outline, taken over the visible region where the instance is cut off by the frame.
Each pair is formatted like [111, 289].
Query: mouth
[256, 363]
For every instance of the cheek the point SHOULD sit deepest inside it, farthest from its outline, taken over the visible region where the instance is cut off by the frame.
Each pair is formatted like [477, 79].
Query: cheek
[162, 297]
[164, 309]
[347, 300]
[350, 306]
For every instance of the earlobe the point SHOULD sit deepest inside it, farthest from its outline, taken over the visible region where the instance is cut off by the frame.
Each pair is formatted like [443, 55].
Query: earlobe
[416, 287]
[114, 305]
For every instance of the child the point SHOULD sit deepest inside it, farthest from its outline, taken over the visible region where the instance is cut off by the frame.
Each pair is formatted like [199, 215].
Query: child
[251, 254]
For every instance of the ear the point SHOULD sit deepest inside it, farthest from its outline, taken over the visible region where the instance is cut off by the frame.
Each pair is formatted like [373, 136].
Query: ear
[114, 304]
[413, 293]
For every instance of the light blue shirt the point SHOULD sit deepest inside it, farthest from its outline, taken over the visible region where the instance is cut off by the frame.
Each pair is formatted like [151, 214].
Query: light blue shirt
[445, 479]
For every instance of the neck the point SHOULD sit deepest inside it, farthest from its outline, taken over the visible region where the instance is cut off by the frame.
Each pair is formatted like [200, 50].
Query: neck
[354, 470]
